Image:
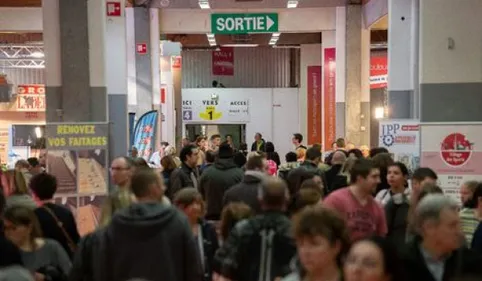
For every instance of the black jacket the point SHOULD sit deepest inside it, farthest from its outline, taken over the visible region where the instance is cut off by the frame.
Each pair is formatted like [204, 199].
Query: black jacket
[330, 175]
[181, 178]
[462, 263]
[254, 146]
[51, 229]
[241, 255]
[246, 191]
[397, 221]
[210, 246]
[305, 171]
[146, 240]
[9, 253]
[215, 181]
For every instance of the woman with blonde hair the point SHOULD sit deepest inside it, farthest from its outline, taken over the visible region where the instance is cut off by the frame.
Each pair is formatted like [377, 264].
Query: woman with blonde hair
[343, 178]
[171, 151]
[301, 154]
[19, 194]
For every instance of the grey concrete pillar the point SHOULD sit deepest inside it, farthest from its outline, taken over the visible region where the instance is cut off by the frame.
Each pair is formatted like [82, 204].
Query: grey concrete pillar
[403, 51]
[142, 25]
[82, 51]
[72, 94]
[353, 73]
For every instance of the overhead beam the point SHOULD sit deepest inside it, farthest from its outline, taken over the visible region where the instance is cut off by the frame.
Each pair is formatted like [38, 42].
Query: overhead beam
[21, 19]
[191, 21]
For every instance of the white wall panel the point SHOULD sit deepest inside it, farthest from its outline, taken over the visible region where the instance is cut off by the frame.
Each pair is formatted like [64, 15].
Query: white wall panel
[18, 76]
[443, 22]
[273, 112]
[253, 68]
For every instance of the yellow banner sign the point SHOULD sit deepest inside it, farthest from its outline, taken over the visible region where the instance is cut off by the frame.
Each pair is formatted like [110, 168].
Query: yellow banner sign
[77, 136]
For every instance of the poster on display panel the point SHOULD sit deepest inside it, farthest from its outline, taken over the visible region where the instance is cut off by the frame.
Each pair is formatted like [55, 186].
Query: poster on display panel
[402, 139]
[454, 152]
[77, 155]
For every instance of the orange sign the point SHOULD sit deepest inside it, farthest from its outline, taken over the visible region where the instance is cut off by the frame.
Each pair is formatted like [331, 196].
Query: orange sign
[329, 95]
[31, 98]
[314, 105]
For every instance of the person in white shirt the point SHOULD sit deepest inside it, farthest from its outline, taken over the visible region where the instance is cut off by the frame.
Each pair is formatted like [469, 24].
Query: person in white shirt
[397, 177]
[157, 156]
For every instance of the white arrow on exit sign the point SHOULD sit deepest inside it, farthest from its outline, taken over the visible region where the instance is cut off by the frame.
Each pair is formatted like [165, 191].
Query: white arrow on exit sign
[269, 22]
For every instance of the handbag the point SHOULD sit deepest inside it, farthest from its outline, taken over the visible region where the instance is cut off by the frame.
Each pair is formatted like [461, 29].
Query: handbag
[70, 242]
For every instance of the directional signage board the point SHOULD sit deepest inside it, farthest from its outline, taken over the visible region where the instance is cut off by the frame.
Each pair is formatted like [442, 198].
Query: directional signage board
[244, 23]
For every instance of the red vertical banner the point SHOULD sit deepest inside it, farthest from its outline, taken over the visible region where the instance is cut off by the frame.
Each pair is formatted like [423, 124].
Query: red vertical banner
[223, 62]
[329, 95]
[378, 70]
[314, 105]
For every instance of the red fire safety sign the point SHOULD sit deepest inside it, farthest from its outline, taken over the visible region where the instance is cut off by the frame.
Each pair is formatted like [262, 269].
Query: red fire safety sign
[141, 48]
[113, 9]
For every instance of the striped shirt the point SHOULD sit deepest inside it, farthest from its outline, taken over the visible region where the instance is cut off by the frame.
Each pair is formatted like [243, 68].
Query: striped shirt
[469, 223]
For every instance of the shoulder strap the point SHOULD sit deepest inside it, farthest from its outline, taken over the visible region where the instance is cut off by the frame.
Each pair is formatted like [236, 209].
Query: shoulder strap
[70, 242]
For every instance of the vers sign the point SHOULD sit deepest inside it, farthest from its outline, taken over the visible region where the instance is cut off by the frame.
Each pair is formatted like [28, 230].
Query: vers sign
[244, 23]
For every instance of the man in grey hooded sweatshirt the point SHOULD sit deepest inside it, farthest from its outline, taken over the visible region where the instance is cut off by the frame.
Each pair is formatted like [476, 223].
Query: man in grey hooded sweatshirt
[146, 240]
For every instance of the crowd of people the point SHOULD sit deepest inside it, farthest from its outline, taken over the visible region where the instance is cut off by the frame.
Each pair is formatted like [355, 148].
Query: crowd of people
[223, 213]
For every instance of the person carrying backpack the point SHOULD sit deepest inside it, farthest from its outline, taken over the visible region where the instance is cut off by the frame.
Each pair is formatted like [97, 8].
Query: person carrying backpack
[260, 248]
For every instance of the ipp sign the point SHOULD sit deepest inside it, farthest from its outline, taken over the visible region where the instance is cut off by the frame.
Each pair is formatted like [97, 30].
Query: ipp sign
[390, 129]
[396, 132]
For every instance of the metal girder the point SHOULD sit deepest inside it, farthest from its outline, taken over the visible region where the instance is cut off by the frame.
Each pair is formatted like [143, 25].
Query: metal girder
[21, 56]
[22, 63]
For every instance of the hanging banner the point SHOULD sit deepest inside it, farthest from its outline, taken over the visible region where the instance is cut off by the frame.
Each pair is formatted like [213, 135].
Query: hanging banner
[30, 98]
[378, 70]
[454, 152]
[402, 139]
[145, 134]
[314, 105]
[77, 155]
[215, 110]
[223, 62]
[329, 95]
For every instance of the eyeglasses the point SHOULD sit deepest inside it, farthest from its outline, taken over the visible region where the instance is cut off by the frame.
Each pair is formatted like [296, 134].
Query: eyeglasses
[118, 169]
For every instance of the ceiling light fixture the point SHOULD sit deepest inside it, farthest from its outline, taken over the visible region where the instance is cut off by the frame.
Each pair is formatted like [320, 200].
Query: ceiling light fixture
[211, 39]
[241, 45]
[37, 55]
[204, 4]
[274, 38]
[292, 4]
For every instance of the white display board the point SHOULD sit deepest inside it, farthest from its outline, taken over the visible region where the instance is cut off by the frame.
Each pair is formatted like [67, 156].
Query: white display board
[402, 138]
[273, 112]
[454, 152]
[215, 109]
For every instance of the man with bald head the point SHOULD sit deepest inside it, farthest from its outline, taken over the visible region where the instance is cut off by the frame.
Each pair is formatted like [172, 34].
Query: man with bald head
[121, 170]
[337, 161]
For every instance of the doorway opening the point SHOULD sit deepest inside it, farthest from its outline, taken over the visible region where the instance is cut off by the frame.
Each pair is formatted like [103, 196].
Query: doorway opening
[237, 132]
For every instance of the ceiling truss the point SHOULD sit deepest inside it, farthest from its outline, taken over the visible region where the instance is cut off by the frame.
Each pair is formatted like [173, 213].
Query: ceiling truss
[21, 56]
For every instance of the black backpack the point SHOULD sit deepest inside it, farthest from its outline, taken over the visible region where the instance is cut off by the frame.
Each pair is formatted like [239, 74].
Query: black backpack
[267, 251]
